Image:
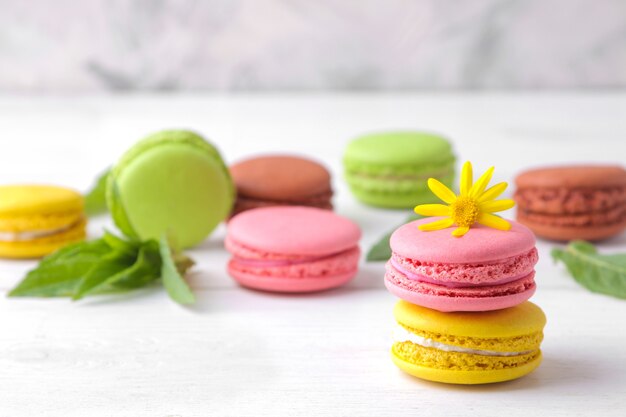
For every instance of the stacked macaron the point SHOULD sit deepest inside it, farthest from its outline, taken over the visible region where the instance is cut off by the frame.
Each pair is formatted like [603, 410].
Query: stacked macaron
[465, 317]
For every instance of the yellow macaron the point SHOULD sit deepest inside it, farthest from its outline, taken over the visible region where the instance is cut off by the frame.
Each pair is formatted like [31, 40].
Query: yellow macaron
[36, 220]
[468, 347]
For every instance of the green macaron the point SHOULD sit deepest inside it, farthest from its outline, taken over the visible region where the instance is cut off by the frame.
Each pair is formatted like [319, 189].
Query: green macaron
[391, 169]
[172, 182]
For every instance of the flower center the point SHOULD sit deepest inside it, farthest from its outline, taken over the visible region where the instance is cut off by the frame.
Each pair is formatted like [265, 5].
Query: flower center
[464, 211]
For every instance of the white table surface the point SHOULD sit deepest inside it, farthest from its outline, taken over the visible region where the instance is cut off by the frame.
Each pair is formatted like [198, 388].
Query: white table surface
[239, 352]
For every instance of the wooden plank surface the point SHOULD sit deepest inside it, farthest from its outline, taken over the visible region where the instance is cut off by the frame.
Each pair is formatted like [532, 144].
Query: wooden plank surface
[240, 352]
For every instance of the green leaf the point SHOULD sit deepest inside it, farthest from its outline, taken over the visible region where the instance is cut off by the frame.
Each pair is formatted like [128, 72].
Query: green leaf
[107, 268]
[174, 283]
[117, 243]
[146, 270]
[59, 274]
[381, 251]
[95, 199]
[604, 274]
[123, 272]
[107, 265]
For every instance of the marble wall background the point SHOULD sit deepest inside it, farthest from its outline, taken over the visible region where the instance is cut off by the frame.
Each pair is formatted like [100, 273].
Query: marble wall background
[93, 45]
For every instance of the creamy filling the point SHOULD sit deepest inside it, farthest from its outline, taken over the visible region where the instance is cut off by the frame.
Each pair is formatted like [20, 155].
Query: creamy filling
[422, 278]
[27, 235]
[265, 263]
[400, 334]
[408, 177]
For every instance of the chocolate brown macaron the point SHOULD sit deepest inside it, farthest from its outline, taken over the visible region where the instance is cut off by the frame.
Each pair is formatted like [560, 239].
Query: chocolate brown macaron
[573, 202]
[279, 180]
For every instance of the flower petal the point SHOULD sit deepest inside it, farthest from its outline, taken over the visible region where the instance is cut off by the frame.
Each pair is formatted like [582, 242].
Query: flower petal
[432, 210]
[441, 191]
[460, 231]
[480, 185]
[436, 225]
[496, 222]
[466, 178]
[493, 192]
[496, 205]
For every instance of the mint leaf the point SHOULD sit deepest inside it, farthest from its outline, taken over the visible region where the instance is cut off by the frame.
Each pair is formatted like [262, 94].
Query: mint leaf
[104, 270]
[95, 199]
[107, 265]
[604, 274]
[59, 274]
[130, 246]
[381, 251]
[174, 283]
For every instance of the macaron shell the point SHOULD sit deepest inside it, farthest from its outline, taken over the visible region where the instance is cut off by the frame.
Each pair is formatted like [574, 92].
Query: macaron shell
[293, 230]
[567, 233]
[281, 178]
[592, 176]
[523, 319]
[480, 244]
[24, 200]
[459, 303]
[42, 246]
[402, 148]
[466, 377]
[173, 181]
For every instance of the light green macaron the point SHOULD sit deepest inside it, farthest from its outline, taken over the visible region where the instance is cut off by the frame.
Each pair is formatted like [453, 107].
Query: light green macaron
[391, 169]
[172, 182]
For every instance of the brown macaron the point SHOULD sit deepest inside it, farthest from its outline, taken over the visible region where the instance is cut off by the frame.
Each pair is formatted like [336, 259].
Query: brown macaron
[573, 202]
[279, 180]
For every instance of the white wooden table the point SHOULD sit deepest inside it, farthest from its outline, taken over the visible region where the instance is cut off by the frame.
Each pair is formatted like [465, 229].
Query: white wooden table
[240, 352]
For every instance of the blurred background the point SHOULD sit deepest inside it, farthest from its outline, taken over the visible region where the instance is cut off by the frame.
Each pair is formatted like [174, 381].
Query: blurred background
[69, 46]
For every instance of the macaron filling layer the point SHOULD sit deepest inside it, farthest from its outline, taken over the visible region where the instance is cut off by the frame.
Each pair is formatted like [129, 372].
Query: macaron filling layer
[250, 261]
[28, 235]
[393, 183]
[322, 201]
[401, 334]
[570, 200]
[467, 275]
[397, 278]
[450, 284]
[459, 361]
[577, 207]
[399, 176]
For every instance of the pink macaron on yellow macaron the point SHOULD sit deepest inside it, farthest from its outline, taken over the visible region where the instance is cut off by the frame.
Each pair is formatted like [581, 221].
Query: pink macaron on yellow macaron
[441, 264]
[292, 249]
[486, 270]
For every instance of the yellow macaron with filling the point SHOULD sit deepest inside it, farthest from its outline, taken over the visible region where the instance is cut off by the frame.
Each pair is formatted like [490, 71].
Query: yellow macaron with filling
[468, 347]
[36, 220]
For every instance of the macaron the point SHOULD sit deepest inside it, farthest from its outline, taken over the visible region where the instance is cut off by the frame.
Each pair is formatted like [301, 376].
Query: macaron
[487, 269]
[36, 220]
[573, 202]
[390, 169]
[281, 180]
[467, 347]
[292, 249]
[172, 182]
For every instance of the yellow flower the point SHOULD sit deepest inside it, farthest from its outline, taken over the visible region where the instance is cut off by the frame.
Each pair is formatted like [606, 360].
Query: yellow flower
[474, 204]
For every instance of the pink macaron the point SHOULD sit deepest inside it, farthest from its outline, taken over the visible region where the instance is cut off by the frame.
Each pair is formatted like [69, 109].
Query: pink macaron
[487, 269]
[292, 249]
